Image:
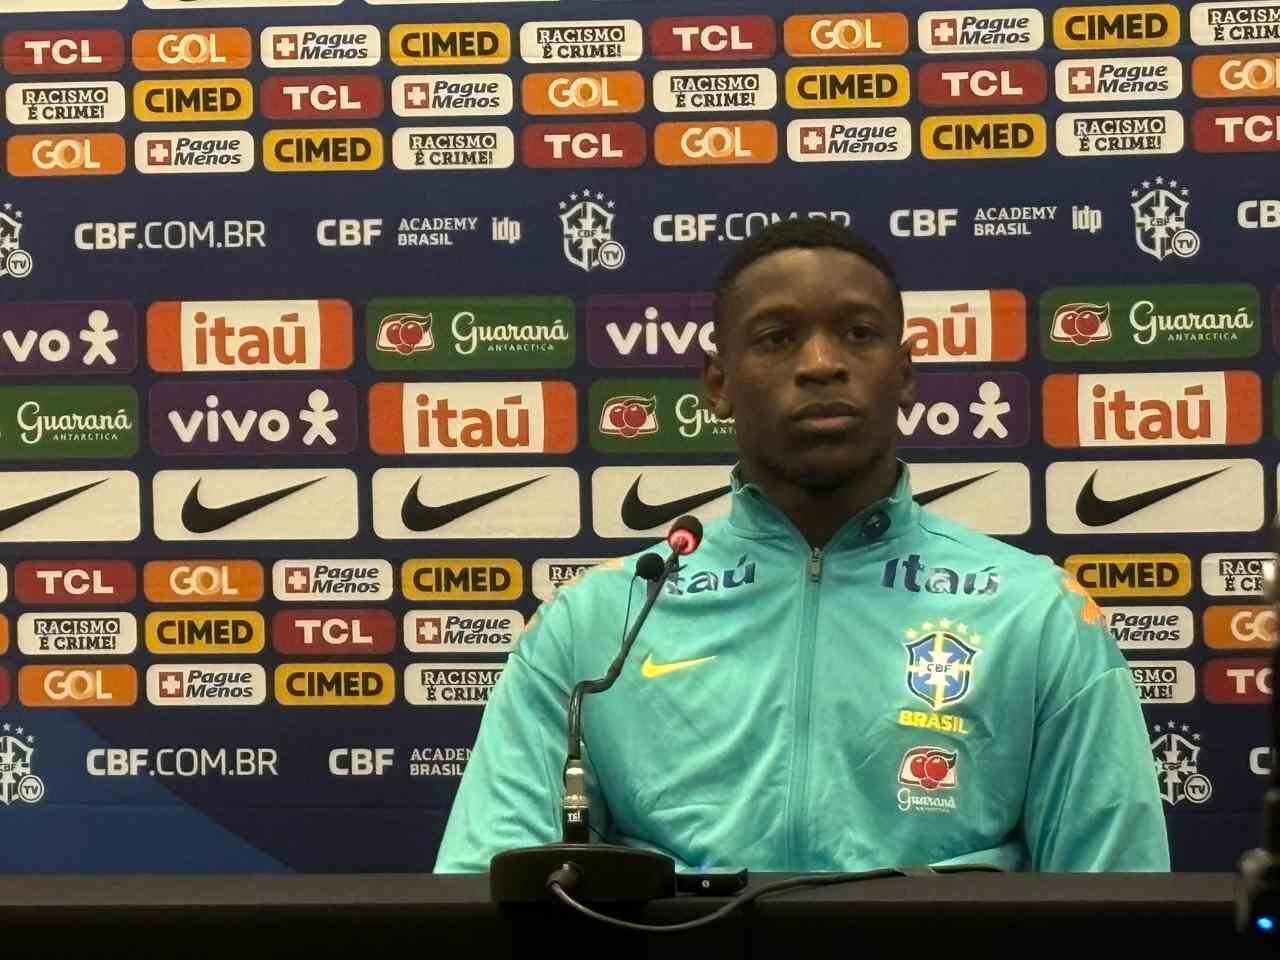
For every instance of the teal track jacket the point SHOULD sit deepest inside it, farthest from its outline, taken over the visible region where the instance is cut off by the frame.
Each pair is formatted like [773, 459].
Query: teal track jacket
[914, 693]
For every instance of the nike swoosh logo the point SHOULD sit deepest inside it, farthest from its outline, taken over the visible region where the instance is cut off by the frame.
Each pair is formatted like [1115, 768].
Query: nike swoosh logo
[649, 669]
[12, 516]
[420, 518]
[198, 518]
[639, 515]
[926, 497]
[1093, 511]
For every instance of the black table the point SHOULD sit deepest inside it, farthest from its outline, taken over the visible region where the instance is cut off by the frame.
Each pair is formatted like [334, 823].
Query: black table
[235, 917]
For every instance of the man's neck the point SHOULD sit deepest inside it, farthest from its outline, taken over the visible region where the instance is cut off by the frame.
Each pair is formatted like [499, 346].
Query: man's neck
[819, 513]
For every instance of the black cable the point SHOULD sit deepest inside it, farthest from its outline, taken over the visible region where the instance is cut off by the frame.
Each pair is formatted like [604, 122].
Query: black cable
[818, 880]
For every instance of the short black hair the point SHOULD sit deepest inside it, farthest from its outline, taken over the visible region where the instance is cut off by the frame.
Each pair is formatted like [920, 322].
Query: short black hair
[818, 232]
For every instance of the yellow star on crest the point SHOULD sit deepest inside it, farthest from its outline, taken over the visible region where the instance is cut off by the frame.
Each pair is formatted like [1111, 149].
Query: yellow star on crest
[944, 623]
[961, 629]
[912, 634]
[926, 627]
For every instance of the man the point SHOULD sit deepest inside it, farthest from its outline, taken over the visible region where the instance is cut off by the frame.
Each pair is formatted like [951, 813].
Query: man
[837, 680]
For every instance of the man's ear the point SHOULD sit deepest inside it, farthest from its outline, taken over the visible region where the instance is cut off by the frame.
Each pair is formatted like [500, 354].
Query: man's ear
[906, 376]
[713, 386]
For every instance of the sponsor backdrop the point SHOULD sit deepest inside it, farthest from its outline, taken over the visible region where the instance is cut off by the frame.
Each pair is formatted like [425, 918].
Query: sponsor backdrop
[335, 334]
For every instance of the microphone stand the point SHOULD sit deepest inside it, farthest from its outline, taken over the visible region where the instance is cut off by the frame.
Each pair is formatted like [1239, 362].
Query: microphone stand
[600, 872]
[1258, 876]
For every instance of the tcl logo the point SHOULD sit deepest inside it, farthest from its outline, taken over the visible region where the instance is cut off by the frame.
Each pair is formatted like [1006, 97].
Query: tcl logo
[87, 155]
[713, 38]
[84, 686]
[976, 83]
[1236, 130]
[62, 52]
[40, 581]
[585, 145]
[319, 98]
[686, 144]
[1237, 680]
[320, 632]
[361, 761]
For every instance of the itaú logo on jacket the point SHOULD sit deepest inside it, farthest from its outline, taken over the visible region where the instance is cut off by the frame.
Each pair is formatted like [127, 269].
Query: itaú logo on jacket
[709, 581]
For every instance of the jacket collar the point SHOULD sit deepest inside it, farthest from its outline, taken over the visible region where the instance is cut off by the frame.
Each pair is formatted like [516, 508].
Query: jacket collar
[752, 514]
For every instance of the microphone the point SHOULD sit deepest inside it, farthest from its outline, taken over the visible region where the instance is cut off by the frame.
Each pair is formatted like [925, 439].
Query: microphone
[605, 872]
[1258, 871]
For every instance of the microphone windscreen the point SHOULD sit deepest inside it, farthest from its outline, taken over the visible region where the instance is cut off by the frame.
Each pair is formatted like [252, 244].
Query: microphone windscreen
[649, 566]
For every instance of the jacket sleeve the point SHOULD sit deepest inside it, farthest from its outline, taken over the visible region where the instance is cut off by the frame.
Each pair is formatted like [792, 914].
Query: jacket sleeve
[1092, 801]
[511, 789]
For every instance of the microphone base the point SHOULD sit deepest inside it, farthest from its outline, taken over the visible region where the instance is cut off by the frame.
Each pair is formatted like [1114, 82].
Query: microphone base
[608, 873]
[1258, 895]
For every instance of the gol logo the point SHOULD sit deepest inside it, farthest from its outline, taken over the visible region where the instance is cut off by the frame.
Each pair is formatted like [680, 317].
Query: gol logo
[322, 151]
[66, 155]
[336, 685]
[473, 417]
[185, 100]
[4, 638]
[609, 91]
[203, 581]
[90, 685]
[697, 143]
[841, 35]
[63, 51]
[462, 578]
[871, 86]
[1236, 75]
[1117, 25]
[208, 48]
[206, 631]
[973, 137]
[449, 44]
[1240, 627]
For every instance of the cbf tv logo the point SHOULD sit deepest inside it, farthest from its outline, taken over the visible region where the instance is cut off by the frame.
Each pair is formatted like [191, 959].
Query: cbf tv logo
[14, 261]
[940, 662]
[1160, 219]
[587, 222]
[17, 782]
[1175, 751]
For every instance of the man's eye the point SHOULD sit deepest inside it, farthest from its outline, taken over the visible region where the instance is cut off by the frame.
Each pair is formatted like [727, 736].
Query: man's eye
[774, 338]
[860, 334]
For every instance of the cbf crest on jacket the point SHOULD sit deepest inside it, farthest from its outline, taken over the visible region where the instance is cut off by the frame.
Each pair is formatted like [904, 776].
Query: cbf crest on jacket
[912, 693]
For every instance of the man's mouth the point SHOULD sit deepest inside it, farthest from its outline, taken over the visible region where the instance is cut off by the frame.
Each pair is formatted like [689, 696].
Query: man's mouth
[829, 415]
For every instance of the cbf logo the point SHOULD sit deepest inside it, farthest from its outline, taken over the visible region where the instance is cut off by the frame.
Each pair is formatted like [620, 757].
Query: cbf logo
[17, 782]
[14, 261]
[1160, 219]
[1177, 760]
[588, 232]
[940, 662]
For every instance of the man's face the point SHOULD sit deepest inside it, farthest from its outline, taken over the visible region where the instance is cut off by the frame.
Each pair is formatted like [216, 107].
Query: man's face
[811, 365]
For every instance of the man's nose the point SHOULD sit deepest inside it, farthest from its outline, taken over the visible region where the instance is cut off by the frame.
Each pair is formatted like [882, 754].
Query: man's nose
[821, 358]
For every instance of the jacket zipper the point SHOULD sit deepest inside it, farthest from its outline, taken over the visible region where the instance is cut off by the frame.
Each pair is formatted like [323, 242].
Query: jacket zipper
[804, 691]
